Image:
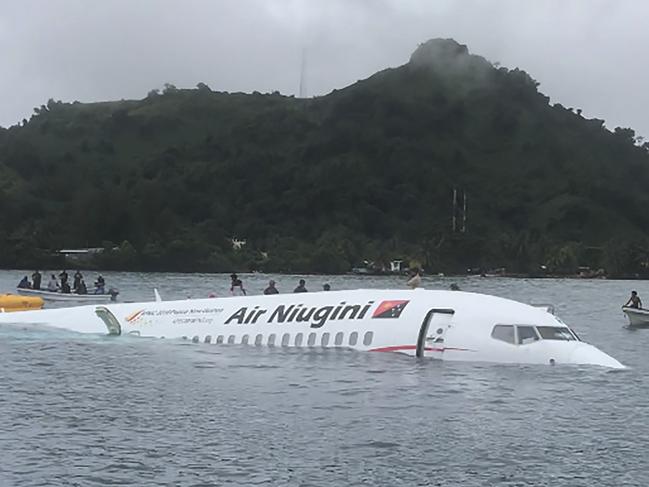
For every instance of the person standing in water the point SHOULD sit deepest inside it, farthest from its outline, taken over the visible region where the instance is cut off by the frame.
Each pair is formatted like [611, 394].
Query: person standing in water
[301, 288]
[415, 281]
[271, 289]
[634, 301]
[236, 286]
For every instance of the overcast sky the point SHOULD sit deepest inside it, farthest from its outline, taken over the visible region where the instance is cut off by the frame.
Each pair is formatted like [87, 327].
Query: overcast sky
[589, 54]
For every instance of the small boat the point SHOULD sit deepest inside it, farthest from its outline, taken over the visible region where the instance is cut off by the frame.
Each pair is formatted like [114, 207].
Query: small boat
[59, 296]
[638, 317]
[12, 302]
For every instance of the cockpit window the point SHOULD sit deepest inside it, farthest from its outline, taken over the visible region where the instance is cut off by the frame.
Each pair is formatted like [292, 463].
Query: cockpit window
[504, 333]
[526, 334]
[555, 333]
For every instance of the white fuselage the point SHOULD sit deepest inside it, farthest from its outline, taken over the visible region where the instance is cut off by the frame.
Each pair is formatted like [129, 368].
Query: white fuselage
[448, 325]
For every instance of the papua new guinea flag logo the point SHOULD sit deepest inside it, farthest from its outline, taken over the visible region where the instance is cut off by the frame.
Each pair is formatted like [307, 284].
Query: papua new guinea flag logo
[390, 309]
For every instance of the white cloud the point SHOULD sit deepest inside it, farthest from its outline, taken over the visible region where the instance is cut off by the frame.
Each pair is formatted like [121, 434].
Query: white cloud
[585, 53]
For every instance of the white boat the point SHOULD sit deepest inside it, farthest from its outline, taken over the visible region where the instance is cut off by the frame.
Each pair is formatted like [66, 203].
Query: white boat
[59, 296]
[446, 325]
[638, 317]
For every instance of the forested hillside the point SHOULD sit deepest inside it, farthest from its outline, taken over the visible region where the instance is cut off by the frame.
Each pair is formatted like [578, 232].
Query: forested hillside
[364, 173]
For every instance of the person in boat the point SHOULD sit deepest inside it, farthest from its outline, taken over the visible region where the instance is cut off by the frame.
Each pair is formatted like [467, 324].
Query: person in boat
[634, 301]
[53, 285]
[455, 287]
[24, 283]
[36, 280]
[415, 281]
[326, 287]
[100, 285]
[271, 289]
[63, 276]
[77, 278]
[65, 287]
[301, 287]
[236, 286]
[81, 288]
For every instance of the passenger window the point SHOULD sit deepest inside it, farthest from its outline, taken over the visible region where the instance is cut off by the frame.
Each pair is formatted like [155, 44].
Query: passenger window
[504, 333]
[526, 334]
[231, 340]
[219, 339]
[298, 339]
[271, 340]
[258, 339]
[353, 338]
[324, 341]
[245, 339]
[285, 339]
[311, 340]
[208, 338]
[338, 341]
[367, 339]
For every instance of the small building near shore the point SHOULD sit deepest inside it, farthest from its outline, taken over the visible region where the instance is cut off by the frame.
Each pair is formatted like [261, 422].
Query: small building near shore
[80, 256]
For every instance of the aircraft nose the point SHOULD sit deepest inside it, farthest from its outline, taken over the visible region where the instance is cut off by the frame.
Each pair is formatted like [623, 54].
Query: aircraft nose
[588, 355]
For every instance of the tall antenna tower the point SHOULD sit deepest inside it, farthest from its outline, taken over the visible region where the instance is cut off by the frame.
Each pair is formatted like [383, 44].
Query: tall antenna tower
[464, 212]
[454, 209]
[462, 228]
[302, 90]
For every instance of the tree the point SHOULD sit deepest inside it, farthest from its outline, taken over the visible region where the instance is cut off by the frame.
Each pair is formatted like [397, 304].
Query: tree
[169, 88]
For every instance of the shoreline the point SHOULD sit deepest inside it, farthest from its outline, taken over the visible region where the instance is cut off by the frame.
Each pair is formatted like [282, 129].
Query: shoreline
[92, 269]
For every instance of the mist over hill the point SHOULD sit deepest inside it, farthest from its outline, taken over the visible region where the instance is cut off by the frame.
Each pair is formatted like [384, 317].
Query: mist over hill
[320, 185]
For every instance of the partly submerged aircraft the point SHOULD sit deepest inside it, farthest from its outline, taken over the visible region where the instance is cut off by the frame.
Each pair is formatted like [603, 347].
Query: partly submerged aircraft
[447, 325]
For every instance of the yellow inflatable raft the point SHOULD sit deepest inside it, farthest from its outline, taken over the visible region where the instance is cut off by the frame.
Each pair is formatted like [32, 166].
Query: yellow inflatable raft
[13, 302]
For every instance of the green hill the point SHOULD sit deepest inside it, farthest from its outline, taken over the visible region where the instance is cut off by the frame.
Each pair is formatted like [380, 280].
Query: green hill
[364, 173]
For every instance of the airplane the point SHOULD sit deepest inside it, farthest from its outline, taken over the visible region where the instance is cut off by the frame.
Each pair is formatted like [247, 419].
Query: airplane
[438, 324]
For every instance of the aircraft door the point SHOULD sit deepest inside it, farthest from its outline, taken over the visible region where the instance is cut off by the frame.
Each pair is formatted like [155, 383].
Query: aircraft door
[430, 342]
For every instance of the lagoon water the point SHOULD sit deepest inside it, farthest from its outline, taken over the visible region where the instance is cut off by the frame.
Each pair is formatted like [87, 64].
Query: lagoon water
[84, 410]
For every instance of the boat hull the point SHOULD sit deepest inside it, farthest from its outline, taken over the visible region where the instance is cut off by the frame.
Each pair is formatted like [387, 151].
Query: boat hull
[12, 302]
[66, 297]
[638, 318]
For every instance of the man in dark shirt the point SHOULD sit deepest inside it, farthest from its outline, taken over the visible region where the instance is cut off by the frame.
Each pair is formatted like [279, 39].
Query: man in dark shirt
[271, 289]
[36, 280]
[301, 287]
[63, 276]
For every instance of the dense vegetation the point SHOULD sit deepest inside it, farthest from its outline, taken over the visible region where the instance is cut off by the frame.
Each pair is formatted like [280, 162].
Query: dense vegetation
[322, 184]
